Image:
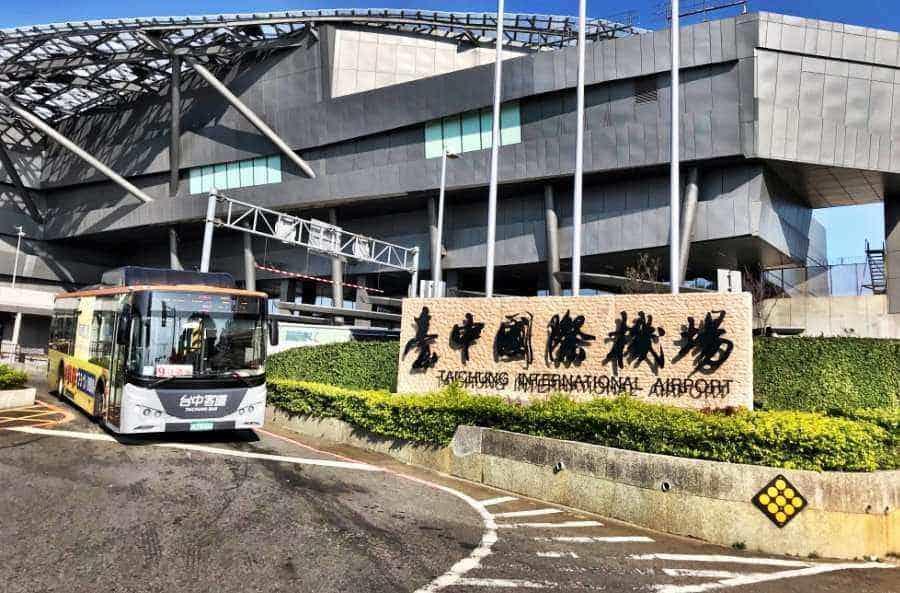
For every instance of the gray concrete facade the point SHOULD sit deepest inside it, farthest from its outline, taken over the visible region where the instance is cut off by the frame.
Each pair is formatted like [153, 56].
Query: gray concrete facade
[779, 114]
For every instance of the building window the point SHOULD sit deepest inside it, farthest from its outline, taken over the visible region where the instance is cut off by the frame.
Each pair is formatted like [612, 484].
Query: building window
[259, 171]
[472, 131]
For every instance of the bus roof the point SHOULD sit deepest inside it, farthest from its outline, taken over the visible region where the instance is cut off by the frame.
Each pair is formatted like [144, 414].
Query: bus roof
[112, 290]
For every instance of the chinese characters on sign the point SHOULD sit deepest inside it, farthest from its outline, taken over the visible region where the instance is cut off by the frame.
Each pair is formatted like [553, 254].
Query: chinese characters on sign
[422, 343]
[586, 346]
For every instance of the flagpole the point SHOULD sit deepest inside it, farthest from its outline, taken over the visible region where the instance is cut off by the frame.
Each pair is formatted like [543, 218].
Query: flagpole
[675, 172]
[495, 156]
[579, 153]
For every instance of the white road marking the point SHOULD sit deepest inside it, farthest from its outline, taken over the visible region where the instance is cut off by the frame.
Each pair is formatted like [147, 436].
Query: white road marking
[531, 513]
[754, 578]
[721, 558]
[505, 583]
[87, 436]
[563, 525]
[557, 555]
[609, 539]
[705, 574]
[451, 577]
[204, 449]
[499, 500]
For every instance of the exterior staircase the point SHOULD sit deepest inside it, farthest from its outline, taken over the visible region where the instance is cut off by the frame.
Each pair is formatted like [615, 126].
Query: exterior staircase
[877, 277]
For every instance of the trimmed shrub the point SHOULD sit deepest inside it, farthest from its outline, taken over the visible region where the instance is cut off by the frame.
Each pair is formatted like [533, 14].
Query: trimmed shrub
[826, 374]
[11, 378]
[798, 440]
[357, 365]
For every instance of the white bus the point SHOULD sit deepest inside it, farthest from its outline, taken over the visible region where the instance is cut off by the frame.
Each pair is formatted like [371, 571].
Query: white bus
[153, 350]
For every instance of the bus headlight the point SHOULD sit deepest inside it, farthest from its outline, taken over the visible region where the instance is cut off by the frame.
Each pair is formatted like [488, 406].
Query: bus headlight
[249, 409]
[147, 412]
[241, 411]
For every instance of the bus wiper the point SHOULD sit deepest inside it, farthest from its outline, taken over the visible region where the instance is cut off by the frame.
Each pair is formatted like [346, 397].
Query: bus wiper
[161, 381]
[235, 375]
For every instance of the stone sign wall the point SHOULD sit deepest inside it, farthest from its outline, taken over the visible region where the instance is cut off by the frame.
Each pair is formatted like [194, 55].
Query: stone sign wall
[690, 350]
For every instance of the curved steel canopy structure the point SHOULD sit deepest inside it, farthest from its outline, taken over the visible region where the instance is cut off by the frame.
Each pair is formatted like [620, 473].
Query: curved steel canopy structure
[58, 70]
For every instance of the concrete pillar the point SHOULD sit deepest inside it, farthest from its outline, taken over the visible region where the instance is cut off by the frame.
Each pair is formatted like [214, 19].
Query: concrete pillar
[17, 329]
[175, 127]
[892, 250]
[452, 283]
[337, 273]
[361, 305]
[551, 223]
[288, 292]
[249, 263]
[174, 260]
[691, 196]
[433, 235]
[308, 292]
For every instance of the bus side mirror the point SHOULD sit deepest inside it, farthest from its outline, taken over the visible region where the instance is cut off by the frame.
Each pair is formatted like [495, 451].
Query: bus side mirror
[273, 331]
[124, 328]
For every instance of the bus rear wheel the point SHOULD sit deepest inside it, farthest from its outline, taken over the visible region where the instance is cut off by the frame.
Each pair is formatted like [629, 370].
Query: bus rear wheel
[98, 398]
[60, 381]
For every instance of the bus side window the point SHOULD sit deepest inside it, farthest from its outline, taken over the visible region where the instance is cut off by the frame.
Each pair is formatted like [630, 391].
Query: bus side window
[62, 332]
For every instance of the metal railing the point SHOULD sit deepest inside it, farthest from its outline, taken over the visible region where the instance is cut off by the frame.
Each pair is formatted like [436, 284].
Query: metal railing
[318, 236]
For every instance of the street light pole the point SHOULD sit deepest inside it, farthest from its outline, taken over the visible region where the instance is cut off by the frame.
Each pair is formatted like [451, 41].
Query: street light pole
[675, 173]
[21, 234]
[437, 273]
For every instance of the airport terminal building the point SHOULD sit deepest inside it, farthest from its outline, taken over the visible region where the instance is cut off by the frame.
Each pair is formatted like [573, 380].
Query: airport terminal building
[779, 115]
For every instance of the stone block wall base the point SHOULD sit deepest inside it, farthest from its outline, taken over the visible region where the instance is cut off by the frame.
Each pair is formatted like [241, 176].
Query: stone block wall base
[17, 398]
[848, 515]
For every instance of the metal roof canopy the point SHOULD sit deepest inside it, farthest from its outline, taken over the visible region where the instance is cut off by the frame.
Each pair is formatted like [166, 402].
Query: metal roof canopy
[59, 70]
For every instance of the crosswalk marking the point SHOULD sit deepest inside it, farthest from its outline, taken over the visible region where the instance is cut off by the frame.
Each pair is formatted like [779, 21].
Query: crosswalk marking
[723, 558]
[754, 578]
[704, 574]
[503, 583]
[531, 513]
[562, 525]
[557, 555]
[609, 539]
[498, 500]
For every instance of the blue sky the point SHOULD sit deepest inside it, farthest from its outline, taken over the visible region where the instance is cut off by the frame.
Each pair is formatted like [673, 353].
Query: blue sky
[847, 227]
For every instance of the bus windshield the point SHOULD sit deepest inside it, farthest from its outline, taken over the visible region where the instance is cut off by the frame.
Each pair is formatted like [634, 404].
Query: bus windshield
[196, 334]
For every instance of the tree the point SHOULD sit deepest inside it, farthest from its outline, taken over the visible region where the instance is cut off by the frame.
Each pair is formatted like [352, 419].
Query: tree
[645, 276]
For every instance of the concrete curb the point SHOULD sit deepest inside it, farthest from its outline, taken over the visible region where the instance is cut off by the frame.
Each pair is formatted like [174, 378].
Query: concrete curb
[17, 398]
[847, 515]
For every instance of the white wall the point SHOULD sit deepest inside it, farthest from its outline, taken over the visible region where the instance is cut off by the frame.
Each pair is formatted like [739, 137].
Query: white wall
[365, 60]
[857, 316]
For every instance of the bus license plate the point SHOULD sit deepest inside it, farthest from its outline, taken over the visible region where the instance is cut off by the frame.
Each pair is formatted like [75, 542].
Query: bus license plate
[201, 426]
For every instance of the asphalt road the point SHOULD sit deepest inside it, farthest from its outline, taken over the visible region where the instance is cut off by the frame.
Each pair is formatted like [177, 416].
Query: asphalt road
[82, 511]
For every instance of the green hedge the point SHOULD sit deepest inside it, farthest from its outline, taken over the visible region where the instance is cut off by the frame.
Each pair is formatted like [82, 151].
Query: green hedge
[357, 365]
[826, 374]
[798, 440]
[10, 378]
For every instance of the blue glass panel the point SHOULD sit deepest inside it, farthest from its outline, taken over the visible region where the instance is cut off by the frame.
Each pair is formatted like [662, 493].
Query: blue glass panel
[234, 175]
[246, 173]
[452, 135]
[433, 143]
[260, 171]
[206, 183]
[510, 124]
[471, 131]
[195, 175]
[220, 177]
[274, 165]
[487, 120]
